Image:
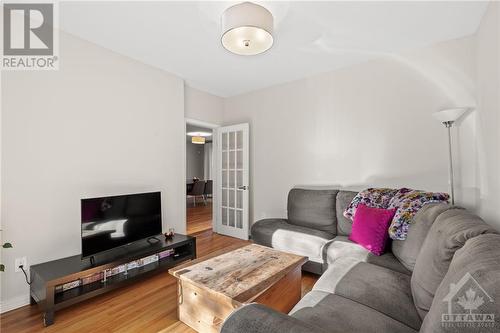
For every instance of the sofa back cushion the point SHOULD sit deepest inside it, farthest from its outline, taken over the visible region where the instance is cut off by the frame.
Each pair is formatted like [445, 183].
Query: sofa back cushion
[407, 250]
[313, 209]
[344, 225]
[471, 286]
[449, 233]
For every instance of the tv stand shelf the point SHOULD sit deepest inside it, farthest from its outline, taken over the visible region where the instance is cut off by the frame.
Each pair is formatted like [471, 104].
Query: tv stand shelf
[46, 276]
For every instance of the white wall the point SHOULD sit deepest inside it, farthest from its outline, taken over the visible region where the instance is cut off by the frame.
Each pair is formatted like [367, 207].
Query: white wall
[195, 160]
[366, 125]
[102, 124]
[488, 125]
[200, 105]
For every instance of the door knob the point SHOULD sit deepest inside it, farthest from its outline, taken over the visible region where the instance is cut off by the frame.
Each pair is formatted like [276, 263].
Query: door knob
[244, 188]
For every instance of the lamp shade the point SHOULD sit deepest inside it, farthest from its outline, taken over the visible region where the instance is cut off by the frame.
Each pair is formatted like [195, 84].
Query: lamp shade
[449, 115]
[247, 29]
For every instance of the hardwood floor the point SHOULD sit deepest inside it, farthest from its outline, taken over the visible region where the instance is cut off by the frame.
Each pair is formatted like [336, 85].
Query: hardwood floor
[147, 306]
[199, 217]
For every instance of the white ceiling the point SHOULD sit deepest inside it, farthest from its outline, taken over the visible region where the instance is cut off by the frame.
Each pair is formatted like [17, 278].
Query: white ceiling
[310, 37]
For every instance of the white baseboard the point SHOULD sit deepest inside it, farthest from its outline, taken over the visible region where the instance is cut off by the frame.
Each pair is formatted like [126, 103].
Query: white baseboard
[14, 303]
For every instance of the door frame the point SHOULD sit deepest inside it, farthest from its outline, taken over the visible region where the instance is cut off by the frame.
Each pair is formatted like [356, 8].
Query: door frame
[213, 127]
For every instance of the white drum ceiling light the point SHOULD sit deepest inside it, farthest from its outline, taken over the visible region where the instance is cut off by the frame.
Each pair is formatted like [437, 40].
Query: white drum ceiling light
[247, 29]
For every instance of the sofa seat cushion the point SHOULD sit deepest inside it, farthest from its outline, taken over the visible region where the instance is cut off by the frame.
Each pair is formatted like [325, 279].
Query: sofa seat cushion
[341, 314]
[342, 247]
[283, 236]
[448, 233]
[379, 288]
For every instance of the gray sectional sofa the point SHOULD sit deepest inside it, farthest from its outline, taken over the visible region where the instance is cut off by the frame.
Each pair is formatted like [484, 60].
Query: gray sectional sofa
[411, 288]
[316, 228]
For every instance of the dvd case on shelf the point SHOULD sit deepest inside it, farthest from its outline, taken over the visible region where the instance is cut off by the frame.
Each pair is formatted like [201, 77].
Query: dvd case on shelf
[101, 276]
[71, 285]
[166, 253]
[92, 278]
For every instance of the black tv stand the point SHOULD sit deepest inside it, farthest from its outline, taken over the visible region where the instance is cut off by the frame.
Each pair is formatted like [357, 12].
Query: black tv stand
[48, 278]
[156, 240]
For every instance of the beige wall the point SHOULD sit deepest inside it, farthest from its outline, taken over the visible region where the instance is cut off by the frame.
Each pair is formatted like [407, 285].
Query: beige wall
[200, 105]
[367, 125]
[488, 124]
[102, 124]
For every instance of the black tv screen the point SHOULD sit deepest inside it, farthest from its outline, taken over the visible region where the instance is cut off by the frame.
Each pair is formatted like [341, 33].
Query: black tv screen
[110, 222]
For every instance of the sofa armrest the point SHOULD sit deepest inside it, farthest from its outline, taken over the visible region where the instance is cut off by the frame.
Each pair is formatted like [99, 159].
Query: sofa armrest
[257, 318]
[262, 231]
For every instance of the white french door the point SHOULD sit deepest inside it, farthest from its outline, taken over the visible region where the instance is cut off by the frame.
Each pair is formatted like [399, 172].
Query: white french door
[233, 177]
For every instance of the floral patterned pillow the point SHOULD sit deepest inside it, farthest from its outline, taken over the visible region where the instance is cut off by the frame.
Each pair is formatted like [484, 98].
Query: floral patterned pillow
[408, 202]
[372, 197]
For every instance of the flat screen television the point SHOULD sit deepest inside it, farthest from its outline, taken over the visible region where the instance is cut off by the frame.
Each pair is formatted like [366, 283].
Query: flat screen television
[115, 221]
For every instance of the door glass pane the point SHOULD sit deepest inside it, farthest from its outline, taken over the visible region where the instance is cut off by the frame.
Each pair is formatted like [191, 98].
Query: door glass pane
[224, 216]
[224, 178]
[239, 199]
[231, 179]
[232, 158]
[239, 181]
[224, 159]
[239, 140]
[224, 197]
[239, 159]
[231, 217]
[224, 141]
[232, 140]
[231, 198]
[239, 219]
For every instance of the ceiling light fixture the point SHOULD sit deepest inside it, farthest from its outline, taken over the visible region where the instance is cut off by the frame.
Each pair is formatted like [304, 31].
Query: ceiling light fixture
[198, 140]
[247, 29]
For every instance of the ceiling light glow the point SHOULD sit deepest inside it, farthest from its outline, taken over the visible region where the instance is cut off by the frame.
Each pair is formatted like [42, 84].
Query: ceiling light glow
[204, 134]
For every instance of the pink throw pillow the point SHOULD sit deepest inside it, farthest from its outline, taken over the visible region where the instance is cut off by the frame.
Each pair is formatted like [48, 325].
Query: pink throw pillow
[370, 228]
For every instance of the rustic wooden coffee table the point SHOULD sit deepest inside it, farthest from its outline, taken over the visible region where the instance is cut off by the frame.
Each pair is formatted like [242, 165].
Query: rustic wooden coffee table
[210, 288]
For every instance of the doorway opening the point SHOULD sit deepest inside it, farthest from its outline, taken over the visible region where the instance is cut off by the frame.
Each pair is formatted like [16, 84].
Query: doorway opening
[200, 173]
